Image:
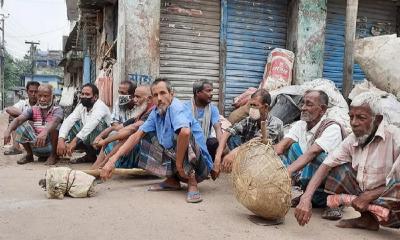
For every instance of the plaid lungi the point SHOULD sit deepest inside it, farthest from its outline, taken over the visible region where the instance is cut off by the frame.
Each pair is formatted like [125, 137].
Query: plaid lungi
[304, 176]
[343, 179]
[90, 138]
[160, 161]
[26, 134]
[127, 161]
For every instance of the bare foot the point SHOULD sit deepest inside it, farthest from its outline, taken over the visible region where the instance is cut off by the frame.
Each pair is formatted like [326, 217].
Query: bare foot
[366, 221]
[25, 159]
[51, 160]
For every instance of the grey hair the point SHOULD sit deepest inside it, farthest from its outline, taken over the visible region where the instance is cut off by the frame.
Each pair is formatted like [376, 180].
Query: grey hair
[46, 86]
[370, 99]
[198, 85]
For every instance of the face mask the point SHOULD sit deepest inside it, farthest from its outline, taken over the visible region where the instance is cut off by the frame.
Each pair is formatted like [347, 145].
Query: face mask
[87, 102]
[254, 113]
[46, 106]
[124, 99]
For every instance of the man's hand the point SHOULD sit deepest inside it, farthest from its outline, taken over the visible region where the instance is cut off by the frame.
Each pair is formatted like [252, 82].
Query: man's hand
[71, 146]
[303, 211]
[7, 137]
[215, 171]
[61, 147]
[361, 203]
[107, 170]
[227, 165]
[96, 142]
[41, 139]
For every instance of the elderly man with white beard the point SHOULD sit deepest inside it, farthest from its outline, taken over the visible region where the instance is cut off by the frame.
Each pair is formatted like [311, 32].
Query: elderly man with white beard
[306, 145]
[366, 165]
[109, 146]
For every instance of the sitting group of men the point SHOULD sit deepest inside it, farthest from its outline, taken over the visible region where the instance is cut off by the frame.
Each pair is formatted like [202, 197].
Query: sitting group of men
[149, 124]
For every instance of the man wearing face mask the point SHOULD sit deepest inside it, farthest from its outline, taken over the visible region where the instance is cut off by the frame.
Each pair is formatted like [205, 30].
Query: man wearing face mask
[248, 129]
[40, 136]
[84, 124]
[307, 144]
[110, 145]
[123, 110]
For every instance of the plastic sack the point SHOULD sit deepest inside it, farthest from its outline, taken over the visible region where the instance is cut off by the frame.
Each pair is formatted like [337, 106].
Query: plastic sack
[278, 70]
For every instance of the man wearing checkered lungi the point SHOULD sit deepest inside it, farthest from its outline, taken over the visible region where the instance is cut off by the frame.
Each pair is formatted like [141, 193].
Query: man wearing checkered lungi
[306, 145]
[172, 144]
[84, 124]
[39, 137]
[366, 167]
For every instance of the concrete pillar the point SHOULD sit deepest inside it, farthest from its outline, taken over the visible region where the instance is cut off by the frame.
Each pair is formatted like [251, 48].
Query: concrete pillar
[307, 38]
[138, 38]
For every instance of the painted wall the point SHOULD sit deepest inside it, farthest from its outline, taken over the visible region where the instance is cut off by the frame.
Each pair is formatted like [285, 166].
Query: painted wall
[138, 38]
[308, 38]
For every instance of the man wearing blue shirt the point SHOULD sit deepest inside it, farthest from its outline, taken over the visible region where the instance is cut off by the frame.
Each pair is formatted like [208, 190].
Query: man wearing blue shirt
[206, 113]
[170, 126]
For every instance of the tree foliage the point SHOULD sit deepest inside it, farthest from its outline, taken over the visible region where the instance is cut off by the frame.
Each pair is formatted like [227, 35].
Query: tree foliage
[14, 70]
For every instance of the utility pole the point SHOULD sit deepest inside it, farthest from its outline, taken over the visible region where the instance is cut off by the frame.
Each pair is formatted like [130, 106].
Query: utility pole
[2, 54]
[32, 51]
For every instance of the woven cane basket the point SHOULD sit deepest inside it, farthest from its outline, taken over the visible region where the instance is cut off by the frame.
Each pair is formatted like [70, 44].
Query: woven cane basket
[260, 180]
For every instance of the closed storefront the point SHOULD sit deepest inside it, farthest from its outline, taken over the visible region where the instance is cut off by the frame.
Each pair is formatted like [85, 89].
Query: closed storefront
[374, 18]
[251, 29]
[190, 43]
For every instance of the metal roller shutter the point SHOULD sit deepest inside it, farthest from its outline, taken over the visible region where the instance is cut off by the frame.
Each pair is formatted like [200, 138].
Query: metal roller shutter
[253, 29]
[374, 18]
[189, 43]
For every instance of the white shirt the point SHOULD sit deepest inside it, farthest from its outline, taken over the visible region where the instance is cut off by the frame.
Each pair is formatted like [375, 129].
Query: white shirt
[120, 116]
[90, 119]
[328, 141]
[22, 105]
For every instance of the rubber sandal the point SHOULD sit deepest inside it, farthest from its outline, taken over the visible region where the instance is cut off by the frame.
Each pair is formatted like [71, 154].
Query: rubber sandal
[12, 151]
[193, 197]
[332, 213]
[163, 187]
[24, 160]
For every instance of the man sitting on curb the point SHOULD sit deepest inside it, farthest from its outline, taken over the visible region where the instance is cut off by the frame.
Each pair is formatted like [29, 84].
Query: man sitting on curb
[170, 133]
[17, 109]
[40, 138]
[307, 144]
[84, 124]
[110, 145]
[366, 165]
[246, 130]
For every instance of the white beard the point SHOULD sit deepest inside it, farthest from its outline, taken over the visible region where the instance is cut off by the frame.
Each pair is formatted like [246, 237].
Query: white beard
[139, 110]
[363, 139]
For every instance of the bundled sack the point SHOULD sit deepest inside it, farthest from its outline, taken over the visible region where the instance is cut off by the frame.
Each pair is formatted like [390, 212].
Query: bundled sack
[260, 180]
[61, 181]
[390, 105]
[278, 70]
[379, 59]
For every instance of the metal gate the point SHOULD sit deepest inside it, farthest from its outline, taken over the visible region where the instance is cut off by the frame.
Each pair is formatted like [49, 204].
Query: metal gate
[374, 18]
[189, 43]
[251, 30]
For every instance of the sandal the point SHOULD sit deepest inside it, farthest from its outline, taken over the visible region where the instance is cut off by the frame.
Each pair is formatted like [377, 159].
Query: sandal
[159, 187]
[332, 213]
[84, 159]
[25, 160]
[193, 197]
[12, 151]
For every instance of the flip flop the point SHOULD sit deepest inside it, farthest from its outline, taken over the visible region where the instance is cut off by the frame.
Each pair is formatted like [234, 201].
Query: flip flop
[332, 213]
[163, 187]
[193, 197]
[12, 151]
